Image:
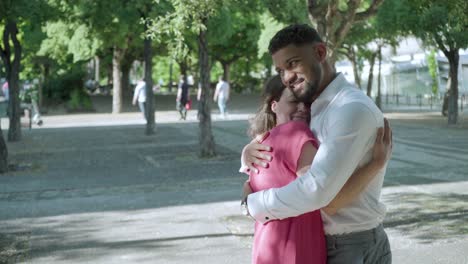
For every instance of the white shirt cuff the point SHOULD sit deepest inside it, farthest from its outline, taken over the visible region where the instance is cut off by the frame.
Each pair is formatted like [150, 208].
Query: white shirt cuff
[244, 169]
[257, 208]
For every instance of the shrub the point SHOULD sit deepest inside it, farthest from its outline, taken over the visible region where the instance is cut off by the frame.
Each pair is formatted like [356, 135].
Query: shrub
[79, 102]
[59, 87]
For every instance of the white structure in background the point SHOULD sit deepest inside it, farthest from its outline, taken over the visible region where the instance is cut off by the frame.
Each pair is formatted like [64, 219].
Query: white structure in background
[404, 70]
[462, 71]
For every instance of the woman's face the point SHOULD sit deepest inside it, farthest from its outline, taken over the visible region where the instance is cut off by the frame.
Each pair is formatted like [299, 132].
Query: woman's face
[288, 108]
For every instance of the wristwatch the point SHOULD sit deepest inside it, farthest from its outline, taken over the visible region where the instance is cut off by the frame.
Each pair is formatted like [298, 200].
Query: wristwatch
[244, 208]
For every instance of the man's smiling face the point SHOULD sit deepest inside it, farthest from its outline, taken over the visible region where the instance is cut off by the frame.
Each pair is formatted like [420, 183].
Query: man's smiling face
[300, 69]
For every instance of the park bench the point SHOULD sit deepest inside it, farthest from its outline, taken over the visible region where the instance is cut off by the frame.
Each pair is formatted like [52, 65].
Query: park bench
[25, 108]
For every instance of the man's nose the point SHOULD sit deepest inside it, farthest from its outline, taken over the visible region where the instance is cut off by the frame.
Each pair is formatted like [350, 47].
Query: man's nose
[288, 77]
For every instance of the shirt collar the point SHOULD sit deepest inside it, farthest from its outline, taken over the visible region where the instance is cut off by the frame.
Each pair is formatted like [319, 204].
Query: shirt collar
[329, 92]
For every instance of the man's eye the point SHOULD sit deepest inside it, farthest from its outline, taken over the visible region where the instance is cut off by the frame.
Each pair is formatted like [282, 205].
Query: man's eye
[293, 64]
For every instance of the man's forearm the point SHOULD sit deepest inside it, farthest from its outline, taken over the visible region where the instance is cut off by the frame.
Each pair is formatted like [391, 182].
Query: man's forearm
[302, 195]
[348, 140]
[353, 187]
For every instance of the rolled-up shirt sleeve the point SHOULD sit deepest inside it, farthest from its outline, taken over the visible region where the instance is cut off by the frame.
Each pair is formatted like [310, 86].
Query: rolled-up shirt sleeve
[350, 132]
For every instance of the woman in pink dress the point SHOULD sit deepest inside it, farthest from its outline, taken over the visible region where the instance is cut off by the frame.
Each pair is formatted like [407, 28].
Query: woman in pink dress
[284, 124]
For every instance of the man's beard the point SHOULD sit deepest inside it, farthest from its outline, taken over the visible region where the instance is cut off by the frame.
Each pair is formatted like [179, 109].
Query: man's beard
[309, 93]
[311, 90]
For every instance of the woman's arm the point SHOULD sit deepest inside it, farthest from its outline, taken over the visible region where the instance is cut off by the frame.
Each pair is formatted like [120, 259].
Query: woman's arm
[215, 96]
[305, 160]
[135, 96]
[179, 93]
[364, 175]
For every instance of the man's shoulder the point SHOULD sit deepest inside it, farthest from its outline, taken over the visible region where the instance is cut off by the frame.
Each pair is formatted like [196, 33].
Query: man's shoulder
[353, 106]
[351, 97]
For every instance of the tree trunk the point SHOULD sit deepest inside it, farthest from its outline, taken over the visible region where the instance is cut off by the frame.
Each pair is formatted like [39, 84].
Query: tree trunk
[109, 74]
[149, 109]
[353, 59]
[3, 153]
[43, 81]
[268, 72]
[12, 72]
[453, 59]
[126, 89]
[127, 63]
[226, 68]
[170, 77]
[334, 21]
[378, 100]
[370, 79]
[117, 56]
[207, 144]
[97, 67]
[183, 67]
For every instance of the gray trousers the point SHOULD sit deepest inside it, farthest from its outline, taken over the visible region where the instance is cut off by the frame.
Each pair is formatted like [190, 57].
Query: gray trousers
[369, 247]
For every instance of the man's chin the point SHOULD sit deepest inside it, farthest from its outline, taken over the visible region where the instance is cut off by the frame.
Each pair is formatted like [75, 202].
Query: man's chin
[302, 95]
[299, 89]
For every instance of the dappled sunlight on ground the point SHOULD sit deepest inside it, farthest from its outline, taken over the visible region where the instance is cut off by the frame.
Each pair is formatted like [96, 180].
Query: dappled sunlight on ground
[429, 218]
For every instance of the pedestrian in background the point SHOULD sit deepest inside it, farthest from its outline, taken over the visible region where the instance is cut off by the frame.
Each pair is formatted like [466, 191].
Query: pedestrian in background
[221, 95]
[5, 91]
[140, 96]
[182, 100]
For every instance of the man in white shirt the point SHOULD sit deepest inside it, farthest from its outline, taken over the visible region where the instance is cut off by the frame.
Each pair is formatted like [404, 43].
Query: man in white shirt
[140, 95]
[345, 122]
[222, 95]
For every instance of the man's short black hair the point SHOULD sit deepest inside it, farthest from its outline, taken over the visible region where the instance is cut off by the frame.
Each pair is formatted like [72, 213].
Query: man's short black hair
[297, 34]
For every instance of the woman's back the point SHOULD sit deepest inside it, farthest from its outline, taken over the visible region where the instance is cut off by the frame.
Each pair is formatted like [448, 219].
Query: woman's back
[292, 240]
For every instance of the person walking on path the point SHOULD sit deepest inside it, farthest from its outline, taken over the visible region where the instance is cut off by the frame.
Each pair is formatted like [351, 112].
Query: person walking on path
[221, 95]
[5, 91]
[345, 122]
[140, 95]
[182, 97]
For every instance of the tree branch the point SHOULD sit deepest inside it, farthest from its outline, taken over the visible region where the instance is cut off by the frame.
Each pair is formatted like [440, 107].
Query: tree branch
[331, 13]
[370, 11]
[3, 54]
[346, 22]
[441, 45]
[6, 52]
[315, 10]
[6, 43]
[16, 44]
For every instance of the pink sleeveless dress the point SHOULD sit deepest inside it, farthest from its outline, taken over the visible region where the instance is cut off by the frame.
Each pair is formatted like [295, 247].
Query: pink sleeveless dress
[295, 240]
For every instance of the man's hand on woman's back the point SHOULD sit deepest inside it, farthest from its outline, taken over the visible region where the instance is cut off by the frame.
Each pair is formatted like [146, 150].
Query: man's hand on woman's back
[254, 155]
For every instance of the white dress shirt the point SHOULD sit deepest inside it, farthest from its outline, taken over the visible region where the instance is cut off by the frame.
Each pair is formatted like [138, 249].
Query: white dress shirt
[345, 122]
[140, 92]
[222, 88]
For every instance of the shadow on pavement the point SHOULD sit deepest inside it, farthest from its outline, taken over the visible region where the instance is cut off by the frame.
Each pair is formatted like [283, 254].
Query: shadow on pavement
[429, 217]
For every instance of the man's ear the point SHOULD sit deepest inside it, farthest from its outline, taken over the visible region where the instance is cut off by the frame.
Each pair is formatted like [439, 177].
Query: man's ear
[320, 51]
[274, 105]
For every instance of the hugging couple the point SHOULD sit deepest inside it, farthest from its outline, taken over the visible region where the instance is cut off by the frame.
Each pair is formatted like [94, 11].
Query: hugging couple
[316, 163]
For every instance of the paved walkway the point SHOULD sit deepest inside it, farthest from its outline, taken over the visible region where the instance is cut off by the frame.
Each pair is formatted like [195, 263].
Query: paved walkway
[94, 189]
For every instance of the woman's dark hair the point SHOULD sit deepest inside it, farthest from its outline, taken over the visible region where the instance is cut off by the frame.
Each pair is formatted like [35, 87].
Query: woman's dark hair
[297, 34]
[265, 119]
